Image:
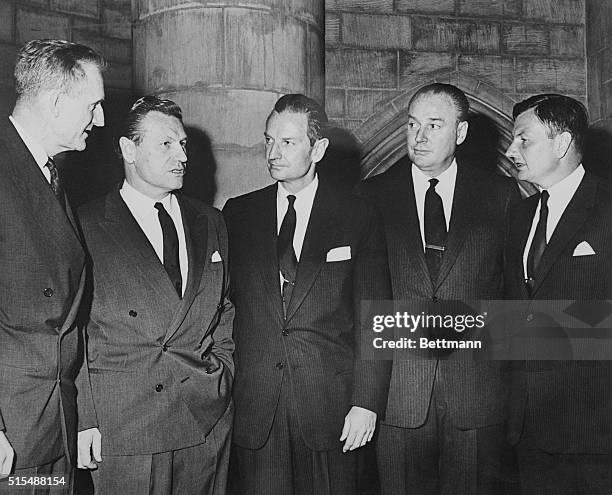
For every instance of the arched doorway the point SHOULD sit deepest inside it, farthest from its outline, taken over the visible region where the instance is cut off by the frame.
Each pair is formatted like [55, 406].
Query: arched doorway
[382, 136]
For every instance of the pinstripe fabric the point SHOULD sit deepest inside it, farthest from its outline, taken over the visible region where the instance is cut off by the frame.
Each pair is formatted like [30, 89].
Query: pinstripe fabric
[42, 265]
[316, 347]
[474, 393]
[154, 388]
[565, 405]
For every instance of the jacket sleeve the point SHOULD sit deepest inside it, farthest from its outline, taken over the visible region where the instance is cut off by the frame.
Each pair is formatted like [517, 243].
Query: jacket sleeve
[371, 281]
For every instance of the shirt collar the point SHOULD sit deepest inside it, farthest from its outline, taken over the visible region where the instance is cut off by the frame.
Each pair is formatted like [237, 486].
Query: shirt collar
[306, 195]
[35, 148]
[567, 187]
[445, 179]
[140, 204]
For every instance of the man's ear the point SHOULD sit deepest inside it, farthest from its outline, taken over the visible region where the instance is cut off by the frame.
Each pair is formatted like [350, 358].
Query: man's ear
[462, 128]
[128, 149]
[563, 141]
[53, 101]
[318, 149]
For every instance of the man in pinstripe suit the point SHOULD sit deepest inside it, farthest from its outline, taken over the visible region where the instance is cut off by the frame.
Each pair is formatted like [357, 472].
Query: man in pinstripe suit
[443, 429]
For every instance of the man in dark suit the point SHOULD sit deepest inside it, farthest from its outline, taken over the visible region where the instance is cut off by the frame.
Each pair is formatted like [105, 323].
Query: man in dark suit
[59, 95]
[444, 224]
[560, 248]
[159, 331]
[303, 256]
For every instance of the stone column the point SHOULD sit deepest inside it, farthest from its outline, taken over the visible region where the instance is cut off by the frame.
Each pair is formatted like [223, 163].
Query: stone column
[226, 62]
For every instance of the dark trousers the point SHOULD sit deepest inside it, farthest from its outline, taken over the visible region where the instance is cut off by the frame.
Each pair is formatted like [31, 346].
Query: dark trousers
[543, 473]
[440, 459]
[286, 466]
[58, 472]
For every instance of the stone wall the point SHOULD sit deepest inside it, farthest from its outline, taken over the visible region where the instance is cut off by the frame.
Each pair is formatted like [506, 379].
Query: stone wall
[378, 49]
[599, 77]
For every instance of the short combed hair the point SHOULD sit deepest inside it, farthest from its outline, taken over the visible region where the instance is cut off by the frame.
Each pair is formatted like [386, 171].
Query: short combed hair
[460, 101]
[52, 64]
[559, 114]
[298, 103]
[131, 127]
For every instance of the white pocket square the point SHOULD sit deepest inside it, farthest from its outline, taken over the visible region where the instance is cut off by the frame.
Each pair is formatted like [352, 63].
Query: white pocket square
[583, 249]
[339, 254]
[216, 257]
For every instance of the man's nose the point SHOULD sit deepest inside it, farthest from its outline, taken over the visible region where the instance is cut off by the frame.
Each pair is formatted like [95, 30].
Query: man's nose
[511, 151]
[98, 116]
[181, 153]
[273, 151]
[421, 136]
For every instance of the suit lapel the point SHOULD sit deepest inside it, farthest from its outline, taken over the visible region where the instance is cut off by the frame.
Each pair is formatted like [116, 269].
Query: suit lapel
[196, 239]
[402, 208]
[266, 235]
[574, 216]
[463, 215]
[124, 230]
[321, 235]
[54, 223]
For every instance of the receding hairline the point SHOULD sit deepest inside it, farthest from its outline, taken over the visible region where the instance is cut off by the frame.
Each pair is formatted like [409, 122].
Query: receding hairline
[441, 95]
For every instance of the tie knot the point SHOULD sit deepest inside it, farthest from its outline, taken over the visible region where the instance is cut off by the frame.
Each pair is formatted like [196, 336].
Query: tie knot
[433, 183]
[50, 164]
[291, 199]
[159, 207]
[544, 196]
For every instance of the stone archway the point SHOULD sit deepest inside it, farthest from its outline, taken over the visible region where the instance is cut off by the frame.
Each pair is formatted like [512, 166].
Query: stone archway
[382, 136]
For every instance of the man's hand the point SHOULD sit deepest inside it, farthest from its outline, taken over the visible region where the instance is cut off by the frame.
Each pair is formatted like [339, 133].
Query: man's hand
[89, 445]
[359, 425]
[6, 456]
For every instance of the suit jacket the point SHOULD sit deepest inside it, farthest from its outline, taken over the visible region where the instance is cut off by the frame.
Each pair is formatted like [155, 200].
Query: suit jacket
[569, 403]
[317, 346]
[153, 386]
[471, 269]
[42, 264]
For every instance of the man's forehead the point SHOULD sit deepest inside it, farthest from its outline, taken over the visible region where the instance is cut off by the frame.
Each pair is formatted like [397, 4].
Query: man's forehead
[526, 120]
[288, 122]
[433, 106]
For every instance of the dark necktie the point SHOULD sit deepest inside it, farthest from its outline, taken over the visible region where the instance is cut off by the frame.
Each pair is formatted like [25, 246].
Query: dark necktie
[538, 243]
[55, 182]
[435, 229]
[171, 248]
[287, 261]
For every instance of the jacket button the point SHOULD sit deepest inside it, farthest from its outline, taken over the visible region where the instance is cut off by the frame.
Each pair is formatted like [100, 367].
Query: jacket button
[48, 292]
[529, 317]
[434, 298]
[133, 313]
[280, 365]
[159, 387]
[284, 333]
[164, 348]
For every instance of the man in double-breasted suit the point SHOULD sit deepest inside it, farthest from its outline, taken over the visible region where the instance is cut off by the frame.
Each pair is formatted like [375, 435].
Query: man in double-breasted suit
[303, 256]
[159, 331]
[59, 94]
[444, 223]
[560, 248]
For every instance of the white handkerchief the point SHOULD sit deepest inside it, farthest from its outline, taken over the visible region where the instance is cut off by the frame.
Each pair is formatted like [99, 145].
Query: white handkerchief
[216, 257]
[339, 254]
[583, 249]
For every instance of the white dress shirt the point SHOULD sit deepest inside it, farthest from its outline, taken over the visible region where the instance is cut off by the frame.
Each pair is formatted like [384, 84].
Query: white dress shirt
[304, 200]
[445, 189]
[143, 210]
[559, 197]
[34, 147]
